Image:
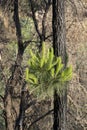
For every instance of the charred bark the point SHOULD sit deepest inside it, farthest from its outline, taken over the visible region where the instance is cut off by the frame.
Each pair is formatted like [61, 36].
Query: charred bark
[57, 111]
[59, 29]
[14, 84]
[60, 100]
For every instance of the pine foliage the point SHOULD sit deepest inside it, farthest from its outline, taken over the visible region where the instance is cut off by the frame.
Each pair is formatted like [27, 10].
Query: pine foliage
[45, 72]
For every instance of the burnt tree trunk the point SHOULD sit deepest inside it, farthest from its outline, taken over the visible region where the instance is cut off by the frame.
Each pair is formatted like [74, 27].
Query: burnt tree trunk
[60, 101]
[12, 98]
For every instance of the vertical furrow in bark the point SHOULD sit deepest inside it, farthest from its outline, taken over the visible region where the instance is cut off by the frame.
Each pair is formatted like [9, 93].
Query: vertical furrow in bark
[60, 100]
[15, 82]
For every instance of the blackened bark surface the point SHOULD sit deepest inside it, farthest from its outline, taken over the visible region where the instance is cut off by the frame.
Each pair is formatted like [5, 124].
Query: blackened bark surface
[12, 98]
[59, 29]
[57, 111]
[60, 101]
[20, 119]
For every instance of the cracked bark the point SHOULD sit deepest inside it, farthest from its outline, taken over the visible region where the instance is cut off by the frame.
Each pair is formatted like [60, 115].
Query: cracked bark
[15, 82]
[60, 101]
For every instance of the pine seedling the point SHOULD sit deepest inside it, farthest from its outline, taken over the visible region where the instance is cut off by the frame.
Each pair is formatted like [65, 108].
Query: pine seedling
[46, 71]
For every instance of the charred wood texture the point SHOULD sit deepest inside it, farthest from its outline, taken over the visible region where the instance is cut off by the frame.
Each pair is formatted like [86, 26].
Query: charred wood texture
[12, 98]
[60, 100]
[59, 29]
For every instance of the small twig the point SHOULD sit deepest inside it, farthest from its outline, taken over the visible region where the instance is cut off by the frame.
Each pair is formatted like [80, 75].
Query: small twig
[41, 117]
[34, 19]
[26, 43]
[46, 38]
[30, 104]
[2, 97]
